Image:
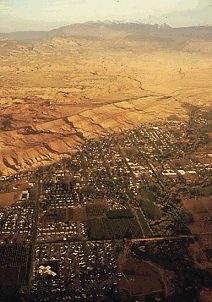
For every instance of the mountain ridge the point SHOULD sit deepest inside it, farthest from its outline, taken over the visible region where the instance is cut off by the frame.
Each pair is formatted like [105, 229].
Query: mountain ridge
[104, 29]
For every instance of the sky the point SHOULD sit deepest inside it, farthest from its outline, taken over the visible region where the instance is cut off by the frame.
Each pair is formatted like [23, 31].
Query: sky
[18, 15]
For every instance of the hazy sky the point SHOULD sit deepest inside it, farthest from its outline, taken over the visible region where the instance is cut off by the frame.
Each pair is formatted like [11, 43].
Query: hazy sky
[47, 14]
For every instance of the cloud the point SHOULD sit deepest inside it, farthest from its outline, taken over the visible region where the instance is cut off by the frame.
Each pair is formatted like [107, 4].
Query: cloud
[47, 14]
[54, 10]
[5, 5]
[64, 3]
[205, 3]
[200, 14]
[49, 7]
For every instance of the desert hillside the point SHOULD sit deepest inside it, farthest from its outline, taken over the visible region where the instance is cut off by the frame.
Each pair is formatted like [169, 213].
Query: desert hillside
[59, 91]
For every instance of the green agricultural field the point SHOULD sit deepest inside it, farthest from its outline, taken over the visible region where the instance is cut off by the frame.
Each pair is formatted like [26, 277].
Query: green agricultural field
[151, 210]
[94, 210]
[123, 213]
[147, 203]
[113, 229]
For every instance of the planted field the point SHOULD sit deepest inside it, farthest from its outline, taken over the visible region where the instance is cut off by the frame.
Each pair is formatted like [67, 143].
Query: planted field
[94, 210]
[113, 229]
[147, 195]
[147, 202]
[151, 210]
[79, 215]
[122, 213]
[55, 215]
[201, 209]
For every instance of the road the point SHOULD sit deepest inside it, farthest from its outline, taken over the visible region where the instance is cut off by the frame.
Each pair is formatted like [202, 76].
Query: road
[35, 228]
[144, 239]
[177, 237]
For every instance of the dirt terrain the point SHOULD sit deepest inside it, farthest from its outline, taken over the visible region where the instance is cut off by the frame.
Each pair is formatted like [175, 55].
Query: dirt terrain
[141, 277]
[201, 209]
[59, 91]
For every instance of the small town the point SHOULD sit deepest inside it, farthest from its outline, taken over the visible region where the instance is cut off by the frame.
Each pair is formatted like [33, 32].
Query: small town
[94, 226]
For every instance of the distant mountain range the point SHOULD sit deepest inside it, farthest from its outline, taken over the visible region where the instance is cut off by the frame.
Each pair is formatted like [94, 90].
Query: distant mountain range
[112, 29]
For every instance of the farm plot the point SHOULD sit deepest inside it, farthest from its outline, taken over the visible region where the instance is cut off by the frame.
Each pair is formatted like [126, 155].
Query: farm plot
[113, 229]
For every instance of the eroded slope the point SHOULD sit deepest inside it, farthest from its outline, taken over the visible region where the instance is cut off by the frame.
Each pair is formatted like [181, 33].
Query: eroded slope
[56, 93]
